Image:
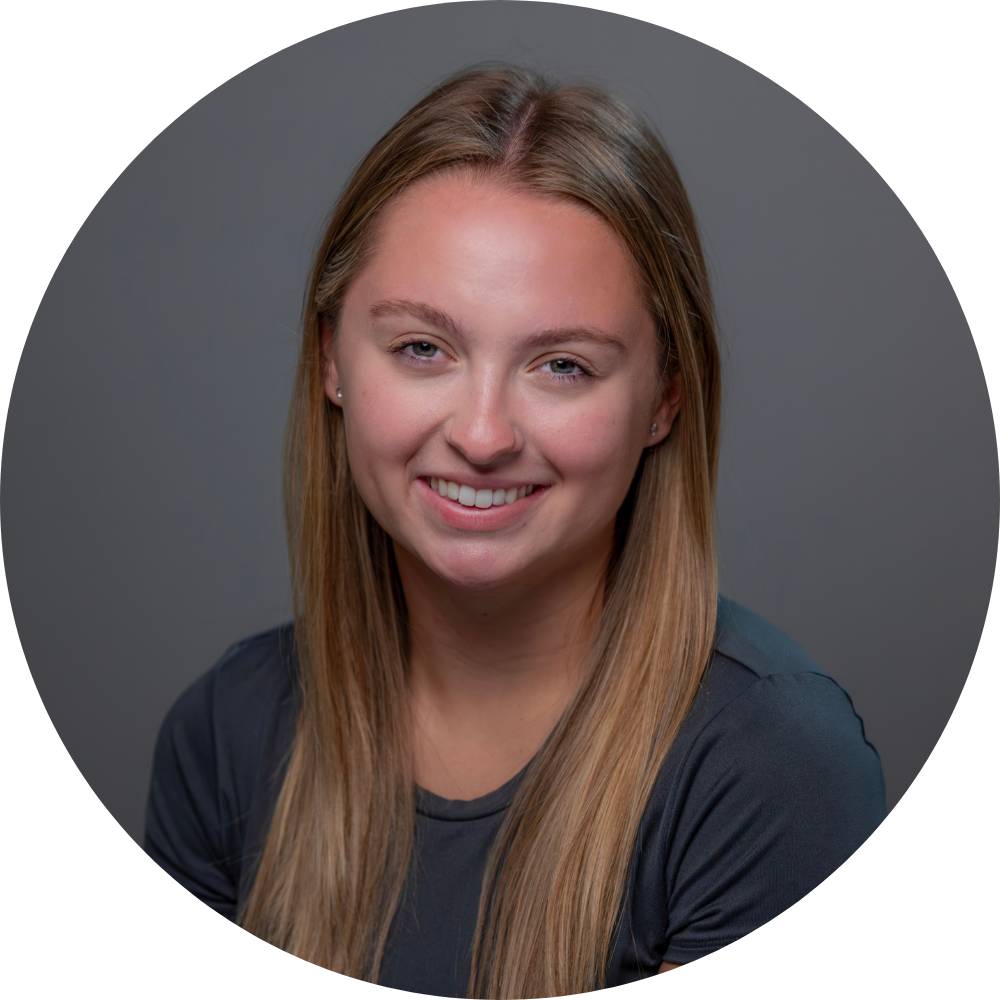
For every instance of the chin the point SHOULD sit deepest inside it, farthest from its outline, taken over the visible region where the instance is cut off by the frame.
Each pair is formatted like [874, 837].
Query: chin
[481, 573]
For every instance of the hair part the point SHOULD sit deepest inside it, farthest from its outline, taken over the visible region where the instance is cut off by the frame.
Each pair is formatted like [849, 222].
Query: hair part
[338, 849]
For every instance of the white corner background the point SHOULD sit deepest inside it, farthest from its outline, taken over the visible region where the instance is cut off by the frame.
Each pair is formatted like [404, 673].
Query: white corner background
[87, 86]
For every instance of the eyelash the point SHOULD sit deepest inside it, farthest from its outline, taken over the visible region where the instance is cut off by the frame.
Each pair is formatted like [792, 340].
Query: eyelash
[583, 372]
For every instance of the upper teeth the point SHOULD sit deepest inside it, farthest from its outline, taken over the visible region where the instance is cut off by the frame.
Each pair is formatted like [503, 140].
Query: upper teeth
[468, 496]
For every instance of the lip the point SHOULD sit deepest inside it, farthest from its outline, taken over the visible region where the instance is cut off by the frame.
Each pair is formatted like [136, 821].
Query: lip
[482, 483]
[455, 515]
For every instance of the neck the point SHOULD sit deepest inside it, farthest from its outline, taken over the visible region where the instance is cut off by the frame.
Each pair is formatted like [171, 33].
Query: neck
[498, 666]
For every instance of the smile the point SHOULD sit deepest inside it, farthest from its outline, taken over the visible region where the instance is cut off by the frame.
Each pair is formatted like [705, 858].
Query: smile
[468, 496]
[491, 513]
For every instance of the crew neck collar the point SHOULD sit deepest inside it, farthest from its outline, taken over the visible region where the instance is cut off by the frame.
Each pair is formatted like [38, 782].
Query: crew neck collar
[437, 807]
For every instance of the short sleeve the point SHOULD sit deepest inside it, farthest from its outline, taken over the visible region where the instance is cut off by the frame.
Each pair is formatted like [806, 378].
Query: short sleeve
[777, 791]
[185, 831]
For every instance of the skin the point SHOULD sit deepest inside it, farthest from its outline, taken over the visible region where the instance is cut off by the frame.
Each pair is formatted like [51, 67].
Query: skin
[500, 619]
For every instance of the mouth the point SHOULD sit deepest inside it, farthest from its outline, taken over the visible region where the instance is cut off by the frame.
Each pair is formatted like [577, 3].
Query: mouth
[483, 499]
[498, 514]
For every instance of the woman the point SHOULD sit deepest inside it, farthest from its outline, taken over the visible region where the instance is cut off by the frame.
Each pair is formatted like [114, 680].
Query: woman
[514, 743]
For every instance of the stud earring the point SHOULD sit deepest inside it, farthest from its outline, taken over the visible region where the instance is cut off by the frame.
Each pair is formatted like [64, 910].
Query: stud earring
[652, 427]
[340, 393]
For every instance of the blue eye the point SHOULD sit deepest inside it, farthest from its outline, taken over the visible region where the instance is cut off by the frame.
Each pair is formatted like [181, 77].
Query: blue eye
[424, 352]
[561, 376]
[422, 344]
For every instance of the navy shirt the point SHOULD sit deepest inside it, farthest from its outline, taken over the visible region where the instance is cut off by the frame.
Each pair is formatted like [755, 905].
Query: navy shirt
[770, 785]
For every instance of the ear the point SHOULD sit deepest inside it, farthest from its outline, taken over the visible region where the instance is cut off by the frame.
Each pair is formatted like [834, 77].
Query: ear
[331, 376]
[668, 408]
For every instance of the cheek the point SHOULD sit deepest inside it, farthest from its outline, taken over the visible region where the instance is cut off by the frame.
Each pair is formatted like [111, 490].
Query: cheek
[592, 441]
[596, 447]
[384, 423]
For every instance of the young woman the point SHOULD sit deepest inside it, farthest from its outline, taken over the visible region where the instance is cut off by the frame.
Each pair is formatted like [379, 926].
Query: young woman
[514, 743]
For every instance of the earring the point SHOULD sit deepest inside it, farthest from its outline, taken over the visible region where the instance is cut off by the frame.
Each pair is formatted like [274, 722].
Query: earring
[340, 393]
[652, 427]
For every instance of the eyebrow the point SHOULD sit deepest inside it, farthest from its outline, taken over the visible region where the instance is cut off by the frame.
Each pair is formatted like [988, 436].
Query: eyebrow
[540, 338]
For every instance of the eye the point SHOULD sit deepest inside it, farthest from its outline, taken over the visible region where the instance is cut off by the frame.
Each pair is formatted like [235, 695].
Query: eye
[423, 350]
[560, 374]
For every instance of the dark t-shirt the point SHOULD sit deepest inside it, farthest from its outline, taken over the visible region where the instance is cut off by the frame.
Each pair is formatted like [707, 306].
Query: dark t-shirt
[770, 785]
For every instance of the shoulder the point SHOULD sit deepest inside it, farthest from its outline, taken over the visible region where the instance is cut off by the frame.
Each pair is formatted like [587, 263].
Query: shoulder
[248, 672]
[209, 762]
[256, 674]
[759, 674]
[227, 712]
[770, 785]
[767, 712]
[757, 644]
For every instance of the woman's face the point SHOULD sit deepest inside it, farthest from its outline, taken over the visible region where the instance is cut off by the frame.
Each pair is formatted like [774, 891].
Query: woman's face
[496, 340]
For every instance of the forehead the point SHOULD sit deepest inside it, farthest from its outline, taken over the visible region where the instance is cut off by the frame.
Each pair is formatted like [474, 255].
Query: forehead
[487, 250]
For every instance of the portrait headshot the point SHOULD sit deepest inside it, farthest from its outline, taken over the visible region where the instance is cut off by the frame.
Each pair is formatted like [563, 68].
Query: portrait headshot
[497, 553]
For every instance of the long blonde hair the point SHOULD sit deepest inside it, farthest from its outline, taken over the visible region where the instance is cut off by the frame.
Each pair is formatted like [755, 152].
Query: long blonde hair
[338, 848]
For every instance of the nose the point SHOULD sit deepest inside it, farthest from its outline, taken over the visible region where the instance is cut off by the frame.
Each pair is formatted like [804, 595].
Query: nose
[481, 424]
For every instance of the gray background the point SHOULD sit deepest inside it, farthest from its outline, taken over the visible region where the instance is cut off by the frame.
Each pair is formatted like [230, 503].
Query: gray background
[140, 497]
